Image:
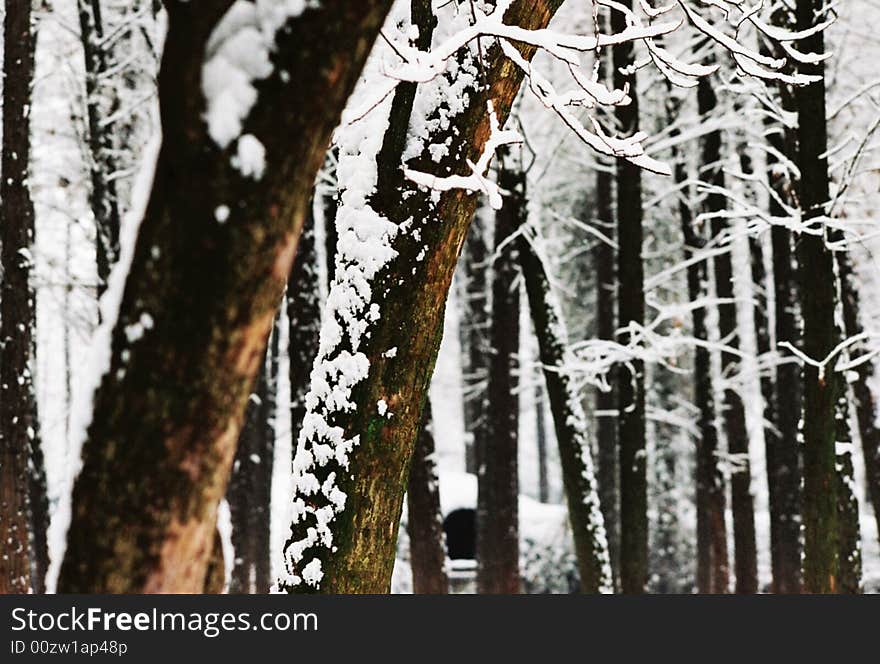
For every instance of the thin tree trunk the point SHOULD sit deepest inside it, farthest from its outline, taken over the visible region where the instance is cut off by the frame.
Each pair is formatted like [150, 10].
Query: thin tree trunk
[541, 440]
[474, 328]
[849, 534]
[863, 398]
[22, 484]
[425, 522]
[304, 322]
[498, 485]
[584, 511]
[631, 310]
[733, 412]
[606, 326]
[783, 463]
[711, 530]
[410, 293]
[103, 198]
[822, 389]
[209, 268]
[250, 486]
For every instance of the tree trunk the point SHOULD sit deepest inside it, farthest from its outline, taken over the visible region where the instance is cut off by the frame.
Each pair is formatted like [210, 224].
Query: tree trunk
[304, 322]
[498, 486]
[103, 198]
[22, 483]
[606, 327]
[209, 267]
[822, 389]
[425, 523]
[783, 463]
[863, 398]
[398, 356]
[541, 440]
[584, 513]
[215, 574]
[849, 534]
[474, 328]
[733, 412]
[631, 310]
[250, 487]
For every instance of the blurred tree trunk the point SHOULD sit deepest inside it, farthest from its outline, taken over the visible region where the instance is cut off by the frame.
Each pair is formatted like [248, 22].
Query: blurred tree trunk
[630, 311]
[103, 198]
[215, 574]
[250, 487]
[425, 522]
[581, 491]
[541, 440]
[733, 411]
[473, 329]
[204, 294]
[23, 501]
[498, 485]
[849, 533]
[863, 398]
[817, 287]
[304, 322]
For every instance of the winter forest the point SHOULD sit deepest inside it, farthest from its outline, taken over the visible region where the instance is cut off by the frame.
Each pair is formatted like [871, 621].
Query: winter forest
[440, 296]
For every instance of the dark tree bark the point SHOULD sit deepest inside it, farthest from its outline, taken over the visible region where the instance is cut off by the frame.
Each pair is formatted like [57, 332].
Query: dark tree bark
[411, 291]
[103, 197]
[498, 485]
[171, 405]
[581, 491]
[630, 310]
[23, 507]
[606, 326]
[474, 327]
[427, 551]
[541, 440]
[304, 322]
[816, 277]
[733, 412]
[330, 205]
[849, 534]
[863, 398]
[783, 463]
[250, 487]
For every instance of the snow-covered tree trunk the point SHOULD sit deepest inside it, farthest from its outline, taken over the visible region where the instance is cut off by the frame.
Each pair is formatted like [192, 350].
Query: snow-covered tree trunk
[822, 386]
[23, 507]
[424, 519]
[849, 532]
[581, 491]
[630, 310]
[497, 474]
[362, 423]
[206, 275]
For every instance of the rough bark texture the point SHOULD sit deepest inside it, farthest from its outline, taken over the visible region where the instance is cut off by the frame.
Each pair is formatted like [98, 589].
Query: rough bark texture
[172, 403]
[584, 513]
[863, 398]
[413, 295]
[427, 551]
[215, 574]
[22, 485]
[818, 301]
[498, 484]
[250, 487]
[850, 540]
[631, 309]
[304, 322]
[733, 411]
[103, 198]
